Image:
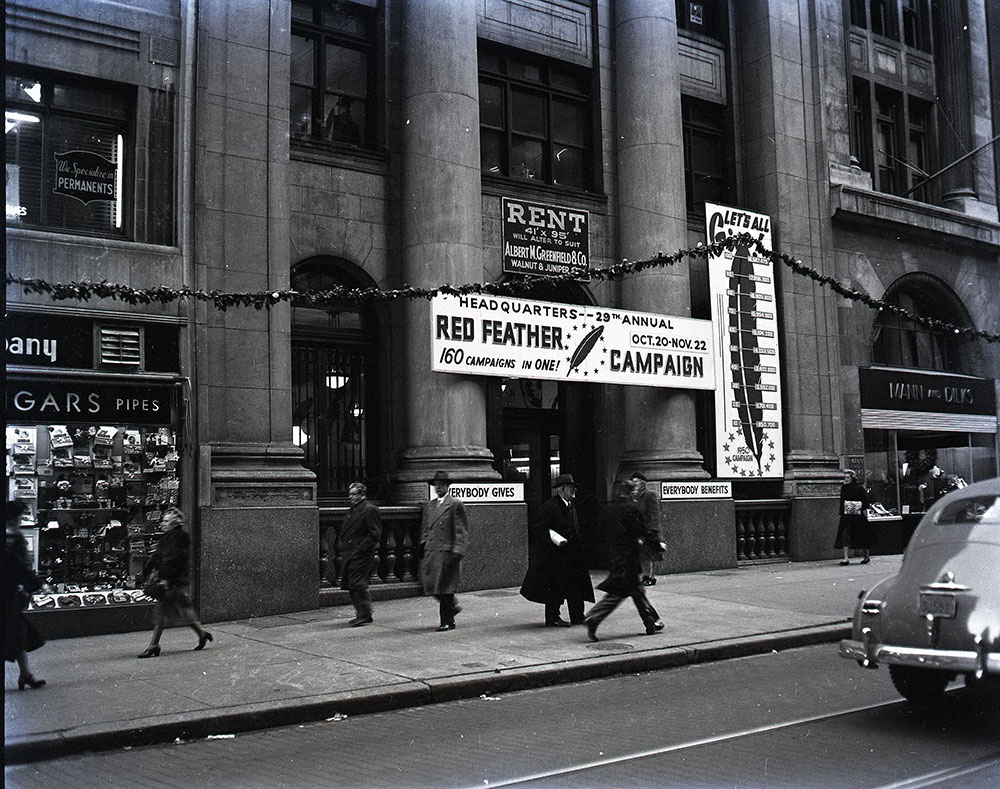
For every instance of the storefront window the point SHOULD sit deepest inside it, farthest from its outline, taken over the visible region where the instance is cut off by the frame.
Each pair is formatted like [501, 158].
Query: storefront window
[95, 497]
[67, 152]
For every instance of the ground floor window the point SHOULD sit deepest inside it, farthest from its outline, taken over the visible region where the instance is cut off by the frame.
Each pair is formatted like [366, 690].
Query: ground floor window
[908, 470]
[95, 496]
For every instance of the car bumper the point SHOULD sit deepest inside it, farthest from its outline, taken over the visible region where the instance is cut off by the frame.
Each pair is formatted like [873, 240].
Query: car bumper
[870, 654]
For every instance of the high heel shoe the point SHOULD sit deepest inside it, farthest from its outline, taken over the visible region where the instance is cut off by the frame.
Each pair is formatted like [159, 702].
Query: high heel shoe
[30, 681]
[203, 639]
[151, 651]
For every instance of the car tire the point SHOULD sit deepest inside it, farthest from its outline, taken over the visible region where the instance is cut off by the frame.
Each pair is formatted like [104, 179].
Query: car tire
[919, 685]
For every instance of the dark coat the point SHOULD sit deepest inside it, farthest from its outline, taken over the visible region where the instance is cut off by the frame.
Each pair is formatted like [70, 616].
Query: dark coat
[853, 528]
[359, 539]
[556, 574]
[170, 559]
[623, 529]
[19, 582]
[648, 504]
[444, 539]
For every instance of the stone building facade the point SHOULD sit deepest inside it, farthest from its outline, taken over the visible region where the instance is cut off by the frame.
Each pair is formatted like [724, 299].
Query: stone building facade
[268, 145]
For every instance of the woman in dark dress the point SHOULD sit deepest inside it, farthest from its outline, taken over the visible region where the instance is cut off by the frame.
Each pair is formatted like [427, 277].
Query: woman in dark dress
[19, 581]
[853, 531]
[170, 562]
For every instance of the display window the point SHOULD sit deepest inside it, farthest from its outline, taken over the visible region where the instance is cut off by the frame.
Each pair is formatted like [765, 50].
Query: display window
[908, 470]
[95, 496]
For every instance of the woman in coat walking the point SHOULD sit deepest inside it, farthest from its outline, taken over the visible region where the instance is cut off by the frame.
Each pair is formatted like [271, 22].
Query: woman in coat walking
[359, 538]
[19, 581]
[853, 530]
[444, 538]
[170, 562]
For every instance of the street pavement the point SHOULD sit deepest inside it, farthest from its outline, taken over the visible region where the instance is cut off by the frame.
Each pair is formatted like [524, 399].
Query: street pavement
[310, 665]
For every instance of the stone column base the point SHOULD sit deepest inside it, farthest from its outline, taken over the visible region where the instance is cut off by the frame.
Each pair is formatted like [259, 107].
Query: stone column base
[663, 464]
[700, 535]
[258, 535]
[813, 483]
[418, 464]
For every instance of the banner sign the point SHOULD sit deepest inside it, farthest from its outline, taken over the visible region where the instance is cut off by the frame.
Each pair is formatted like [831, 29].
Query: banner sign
[748, 440]
[713, 489]
[483, 492]
[544, 240]
[85, 176]
[517, 338]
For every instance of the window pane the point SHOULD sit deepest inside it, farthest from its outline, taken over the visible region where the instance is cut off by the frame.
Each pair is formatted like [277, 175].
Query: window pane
[24, 168]
[346, 71]
[569, 122]
[491, 105]
[91, 101]
[567, 81]
[492, 146]
[303, 11]
[527, 113]
[526, 158]
[489, 61]
[300, 113]
[568, 167]
[303, 61]
[345, 119]
[525, 71]
[348, 18]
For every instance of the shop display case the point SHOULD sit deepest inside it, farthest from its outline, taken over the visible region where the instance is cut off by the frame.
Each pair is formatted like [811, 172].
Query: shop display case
[96, 494]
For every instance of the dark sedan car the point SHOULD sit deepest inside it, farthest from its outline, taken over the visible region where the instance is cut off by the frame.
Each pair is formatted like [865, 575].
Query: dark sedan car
[939, 618]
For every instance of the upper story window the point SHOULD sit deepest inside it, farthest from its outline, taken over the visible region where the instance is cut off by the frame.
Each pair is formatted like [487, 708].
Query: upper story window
[332, 73]
[706, 174]
[68, 152]
[901, 342]
[906, 21]
[535, 119]
[700, 16]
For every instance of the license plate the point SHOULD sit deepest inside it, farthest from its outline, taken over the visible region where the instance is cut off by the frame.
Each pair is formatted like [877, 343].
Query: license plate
[939, 604]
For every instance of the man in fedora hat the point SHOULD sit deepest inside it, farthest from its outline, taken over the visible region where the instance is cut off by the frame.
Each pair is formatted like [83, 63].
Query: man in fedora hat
[557, 564]
[444, 537]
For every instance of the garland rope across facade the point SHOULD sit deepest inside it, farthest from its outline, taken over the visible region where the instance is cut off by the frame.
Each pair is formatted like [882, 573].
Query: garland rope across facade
[84, 291]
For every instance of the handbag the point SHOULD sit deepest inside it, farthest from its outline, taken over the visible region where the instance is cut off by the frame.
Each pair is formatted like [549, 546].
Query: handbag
[154, 587]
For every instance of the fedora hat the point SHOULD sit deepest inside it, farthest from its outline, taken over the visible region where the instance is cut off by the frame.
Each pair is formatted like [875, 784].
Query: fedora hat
[441, 476]
[563, 479]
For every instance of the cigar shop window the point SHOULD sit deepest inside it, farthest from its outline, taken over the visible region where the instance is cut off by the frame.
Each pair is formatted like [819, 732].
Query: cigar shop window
[95, 495]
[68, 149]
[333, 66]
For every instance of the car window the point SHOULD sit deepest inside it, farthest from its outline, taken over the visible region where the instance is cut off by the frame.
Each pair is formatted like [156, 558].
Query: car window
[980, 509]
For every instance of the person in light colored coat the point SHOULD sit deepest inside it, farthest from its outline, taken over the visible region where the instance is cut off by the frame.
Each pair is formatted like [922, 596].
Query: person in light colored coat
[444, 538]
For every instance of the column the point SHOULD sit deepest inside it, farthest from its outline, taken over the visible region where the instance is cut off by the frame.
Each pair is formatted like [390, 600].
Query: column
[951, 60]
[258, 530]
[441, 205]
[660, 423]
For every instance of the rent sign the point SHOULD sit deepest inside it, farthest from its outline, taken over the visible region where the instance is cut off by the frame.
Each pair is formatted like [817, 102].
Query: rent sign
[518, 338]
[545, 240]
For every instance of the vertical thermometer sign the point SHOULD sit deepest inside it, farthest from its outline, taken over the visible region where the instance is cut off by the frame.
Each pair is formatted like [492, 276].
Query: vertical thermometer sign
[748, 441]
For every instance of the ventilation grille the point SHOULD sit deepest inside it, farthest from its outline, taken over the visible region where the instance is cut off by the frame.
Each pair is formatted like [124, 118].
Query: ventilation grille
[121, 347]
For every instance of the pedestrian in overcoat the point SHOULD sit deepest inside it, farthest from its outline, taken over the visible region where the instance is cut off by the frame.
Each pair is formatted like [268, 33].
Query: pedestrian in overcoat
[359, 539]
[19, 582]
[170, 562]
[853, 529]
[557, 562]
[653, 546]
[624, 533]
[444, 539]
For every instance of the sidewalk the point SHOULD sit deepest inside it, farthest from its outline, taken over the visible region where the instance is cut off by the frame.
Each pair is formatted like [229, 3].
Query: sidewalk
[308, 666]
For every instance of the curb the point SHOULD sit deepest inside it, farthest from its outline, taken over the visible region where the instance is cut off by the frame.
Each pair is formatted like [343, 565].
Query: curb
[257, 716]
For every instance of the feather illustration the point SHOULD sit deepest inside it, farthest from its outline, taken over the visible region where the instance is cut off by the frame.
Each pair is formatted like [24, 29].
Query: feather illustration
[743, 355]
[584, 348]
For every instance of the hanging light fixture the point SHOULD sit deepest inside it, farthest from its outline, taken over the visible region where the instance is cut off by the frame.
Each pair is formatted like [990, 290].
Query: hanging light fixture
[335, 379]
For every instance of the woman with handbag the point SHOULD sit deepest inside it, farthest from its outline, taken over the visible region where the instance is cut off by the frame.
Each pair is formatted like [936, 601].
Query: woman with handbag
[169, 563]
[19, 581]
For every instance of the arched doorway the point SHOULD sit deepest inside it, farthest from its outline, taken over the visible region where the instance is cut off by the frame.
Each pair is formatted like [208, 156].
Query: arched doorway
[334, 378]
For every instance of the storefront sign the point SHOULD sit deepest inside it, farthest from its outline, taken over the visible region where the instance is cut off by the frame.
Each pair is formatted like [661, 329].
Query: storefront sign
[105, 403]
[85, 176]
[544, 240]
[715, 489]
[483, 492]
[517, 338]
[911, 390]
[748, 439]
